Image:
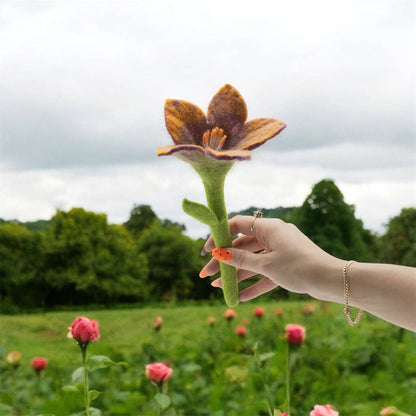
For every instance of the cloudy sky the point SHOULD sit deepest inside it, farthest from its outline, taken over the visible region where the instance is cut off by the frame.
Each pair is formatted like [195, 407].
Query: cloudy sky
[83, 84]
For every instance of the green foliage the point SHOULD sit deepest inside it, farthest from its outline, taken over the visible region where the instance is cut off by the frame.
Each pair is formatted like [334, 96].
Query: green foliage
[398, 244]
[21, 265]
[172, 261]
[330, 222]
[91, 260]
[278, 212]
[141, 217]
[77, 258]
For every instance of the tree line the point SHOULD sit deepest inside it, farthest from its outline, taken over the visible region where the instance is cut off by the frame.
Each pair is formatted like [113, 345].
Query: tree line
[78, 258]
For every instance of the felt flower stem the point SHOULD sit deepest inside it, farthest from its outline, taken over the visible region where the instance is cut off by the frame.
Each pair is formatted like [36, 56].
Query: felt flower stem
[213, 174]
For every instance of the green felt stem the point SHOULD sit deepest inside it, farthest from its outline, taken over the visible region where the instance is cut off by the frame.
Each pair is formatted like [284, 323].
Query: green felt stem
[213, 175]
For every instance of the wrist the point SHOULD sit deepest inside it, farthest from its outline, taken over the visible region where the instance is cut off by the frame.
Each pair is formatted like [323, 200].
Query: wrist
[327, 280]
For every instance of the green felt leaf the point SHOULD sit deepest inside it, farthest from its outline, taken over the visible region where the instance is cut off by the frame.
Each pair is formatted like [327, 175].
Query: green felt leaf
[200, 212]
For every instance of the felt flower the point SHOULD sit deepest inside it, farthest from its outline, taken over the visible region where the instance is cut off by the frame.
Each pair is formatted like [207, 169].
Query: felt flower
[223, 134]
[158, 372]
[295, 334]
[212, 143]
[39, 364]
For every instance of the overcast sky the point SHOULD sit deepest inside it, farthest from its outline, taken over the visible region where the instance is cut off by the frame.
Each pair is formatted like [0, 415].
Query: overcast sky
[83, 85]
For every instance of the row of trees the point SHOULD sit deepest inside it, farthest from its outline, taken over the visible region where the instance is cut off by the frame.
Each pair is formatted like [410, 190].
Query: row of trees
[78, 258]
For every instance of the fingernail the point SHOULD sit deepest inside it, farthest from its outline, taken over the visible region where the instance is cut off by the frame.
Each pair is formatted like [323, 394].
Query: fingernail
[222, 254]
[215, 283]
[203, 251]
[202, 273]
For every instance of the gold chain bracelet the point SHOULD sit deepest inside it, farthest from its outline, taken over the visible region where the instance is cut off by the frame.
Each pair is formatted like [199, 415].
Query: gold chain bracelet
[347, 310]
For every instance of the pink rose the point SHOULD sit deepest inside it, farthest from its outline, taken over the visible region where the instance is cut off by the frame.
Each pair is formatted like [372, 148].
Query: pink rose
[323, 410]
[157, 323]
[84, 330]
[308, 309]
[229, 314]
[259, 312]
[14, 358]
[39, 363]
[392, 411]
[295, 333]
[241, 331]
[158, 372]
[212, 320]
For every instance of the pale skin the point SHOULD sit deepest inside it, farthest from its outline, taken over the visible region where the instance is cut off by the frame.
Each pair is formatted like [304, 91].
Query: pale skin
[286, 257]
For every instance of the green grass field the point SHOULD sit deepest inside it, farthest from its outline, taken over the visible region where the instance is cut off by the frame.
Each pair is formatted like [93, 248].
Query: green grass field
[358, 370]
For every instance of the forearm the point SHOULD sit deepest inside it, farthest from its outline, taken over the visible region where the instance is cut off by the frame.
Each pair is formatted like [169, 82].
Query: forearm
[384, 290]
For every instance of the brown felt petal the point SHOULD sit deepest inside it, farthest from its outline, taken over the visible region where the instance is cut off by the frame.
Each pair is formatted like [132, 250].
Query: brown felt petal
[185, 122]
[228, 111]
[228, 154]
[187, 152]
[258, 131]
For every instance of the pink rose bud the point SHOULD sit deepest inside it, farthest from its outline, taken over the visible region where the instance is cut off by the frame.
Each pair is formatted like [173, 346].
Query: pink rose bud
[323, 410]
[245, 322]
[212, 320]
[157, 323]
[295, 334]
[229, 314]
[309, 309]
[259, 312]
[278, 312]
[14, 358]
[158, 372]
[241, 331]
[392, 411]
[39, 363]
[84, 330]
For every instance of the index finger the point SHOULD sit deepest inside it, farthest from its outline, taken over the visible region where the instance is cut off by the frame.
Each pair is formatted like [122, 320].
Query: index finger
[240, 224]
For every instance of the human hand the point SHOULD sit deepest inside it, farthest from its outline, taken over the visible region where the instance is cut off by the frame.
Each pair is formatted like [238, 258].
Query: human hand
[281, 253]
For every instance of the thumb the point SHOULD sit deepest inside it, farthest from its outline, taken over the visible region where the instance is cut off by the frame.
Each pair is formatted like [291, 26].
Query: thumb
[241, 259]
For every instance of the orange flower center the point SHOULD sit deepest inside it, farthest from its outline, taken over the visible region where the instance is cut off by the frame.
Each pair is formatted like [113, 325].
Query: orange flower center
[214, 138]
